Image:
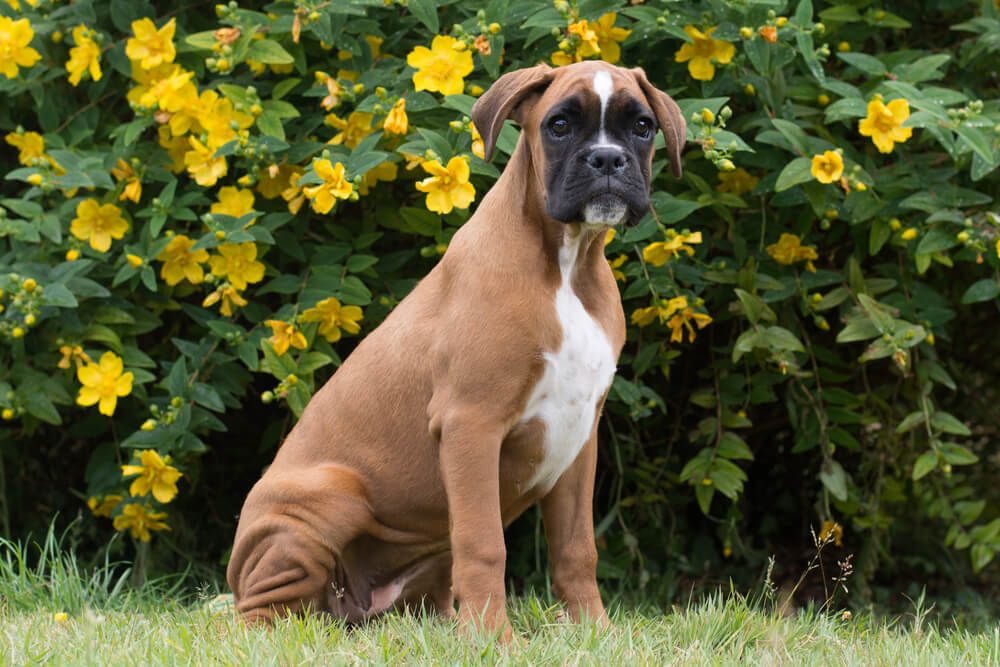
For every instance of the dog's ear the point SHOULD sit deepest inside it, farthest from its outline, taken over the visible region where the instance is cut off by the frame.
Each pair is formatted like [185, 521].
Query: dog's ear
[501, 101]
[668, 116]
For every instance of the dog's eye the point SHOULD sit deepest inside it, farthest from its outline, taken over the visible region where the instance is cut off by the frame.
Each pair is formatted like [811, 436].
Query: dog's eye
[642, 127]
[559, 126]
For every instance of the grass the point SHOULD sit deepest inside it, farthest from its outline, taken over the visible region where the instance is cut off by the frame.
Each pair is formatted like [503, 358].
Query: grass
[110, 622]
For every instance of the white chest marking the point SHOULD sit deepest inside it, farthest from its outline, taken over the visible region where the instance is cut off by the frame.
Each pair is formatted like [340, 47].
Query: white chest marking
[575, 377]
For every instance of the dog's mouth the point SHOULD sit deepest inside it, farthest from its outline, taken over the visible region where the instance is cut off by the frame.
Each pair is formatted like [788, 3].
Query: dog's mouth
[606, 208]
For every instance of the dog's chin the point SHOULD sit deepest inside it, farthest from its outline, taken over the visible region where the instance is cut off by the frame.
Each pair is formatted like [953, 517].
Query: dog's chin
[605, 210]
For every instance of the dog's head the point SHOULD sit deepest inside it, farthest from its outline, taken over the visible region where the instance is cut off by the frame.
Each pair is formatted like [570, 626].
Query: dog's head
[590, 129]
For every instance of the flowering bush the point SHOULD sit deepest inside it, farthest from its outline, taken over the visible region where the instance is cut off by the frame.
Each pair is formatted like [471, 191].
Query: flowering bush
[202, 213]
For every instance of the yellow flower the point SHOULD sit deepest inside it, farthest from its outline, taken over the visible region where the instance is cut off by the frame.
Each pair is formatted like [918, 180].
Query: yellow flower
[827, 167]
[661, 252]
[283, 335]
[702, 52]
[884, 124]
[294, 194]
[30, 146]
[139, 520]
[385, 172]
[334, 186]
[84, 57]
[103, 383]
[216, 115]
[135, 261]
[176, 148]
[998, 248]
[909, 234]
[180, 262]
[229, 296]
[16, 4]
[151, 47]
[237, 263]
[677, 314]
[333, 90]
[333, 318]
[609, 37]
[14, 50]
[789, 250]
[104, 506]
[357, 126]
[587, 46]
[447, 187]
[60, 617]
[396, 121]
[738, 181]
[167, 87]
[202, 166]
[275, 179]
[155, 474]
[440, 68]
[123, 171]
[615, 270]
[98, 223]
[72, 353]
[832, 530]
[233, 201]
[478, 146]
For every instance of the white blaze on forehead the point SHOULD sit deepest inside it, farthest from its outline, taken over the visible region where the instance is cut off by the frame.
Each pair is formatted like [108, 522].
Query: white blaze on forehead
[604, 88]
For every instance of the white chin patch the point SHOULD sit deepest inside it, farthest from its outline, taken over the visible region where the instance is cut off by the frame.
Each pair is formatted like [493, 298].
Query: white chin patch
[605, 210]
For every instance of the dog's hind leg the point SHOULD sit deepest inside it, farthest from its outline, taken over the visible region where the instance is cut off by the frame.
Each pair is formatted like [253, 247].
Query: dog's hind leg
[292, 530]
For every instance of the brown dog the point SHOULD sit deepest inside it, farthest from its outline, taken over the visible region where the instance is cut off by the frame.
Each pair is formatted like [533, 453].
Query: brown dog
[480, 394]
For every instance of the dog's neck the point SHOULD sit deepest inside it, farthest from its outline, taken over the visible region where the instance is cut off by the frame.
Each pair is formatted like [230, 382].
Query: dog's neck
[530, 222]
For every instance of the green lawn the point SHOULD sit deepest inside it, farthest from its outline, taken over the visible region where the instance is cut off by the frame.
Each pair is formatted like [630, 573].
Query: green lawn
[110, 623]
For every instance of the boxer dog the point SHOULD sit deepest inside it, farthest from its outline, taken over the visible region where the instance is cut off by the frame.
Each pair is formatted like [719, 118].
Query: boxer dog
[479, 395]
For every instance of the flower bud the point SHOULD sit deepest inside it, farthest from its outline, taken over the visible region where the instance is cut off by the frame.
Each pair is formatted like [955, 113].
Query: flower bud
[72, 255]
[494, 28]
[30, 319]
[148, 425]
[267, 397]
[781, 22]
[707, 117]
[29, 284]
[746, 32]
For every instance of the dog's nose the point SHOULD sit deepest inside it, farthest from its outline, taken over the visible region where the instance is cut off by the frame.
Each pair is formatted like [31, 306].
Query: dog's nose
[607, 160]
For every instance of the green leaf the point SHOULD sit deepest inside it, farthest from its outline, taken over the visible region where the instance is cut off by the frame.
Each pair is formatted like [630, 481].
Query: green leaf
[957, 454]
[754, 307]
[925, 463]
[986, 289]
[57, 295]
[426, 13]
[779, 338]
[947, 423]
[704, 495]
[732, 446]
[868, 64]
[834, 479]
[795, 135]
[795, 172]
[936, 240]
[910, 422]
[269, 52]
[38, 405]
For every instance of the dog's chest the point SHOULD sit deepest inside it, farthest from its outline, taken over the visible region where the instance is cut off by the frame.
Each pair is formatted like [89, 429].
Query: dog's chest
[565, 399]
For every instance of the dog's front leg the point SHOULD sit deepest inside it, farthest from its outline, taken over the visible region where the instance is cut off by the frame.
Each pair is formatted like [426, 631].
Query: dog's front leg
[470, 463]
[568, 515]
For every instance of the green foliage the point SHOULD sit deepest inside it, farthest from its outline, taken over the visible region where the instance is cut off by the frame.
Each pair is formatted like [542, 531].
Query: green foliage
[192, 243]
